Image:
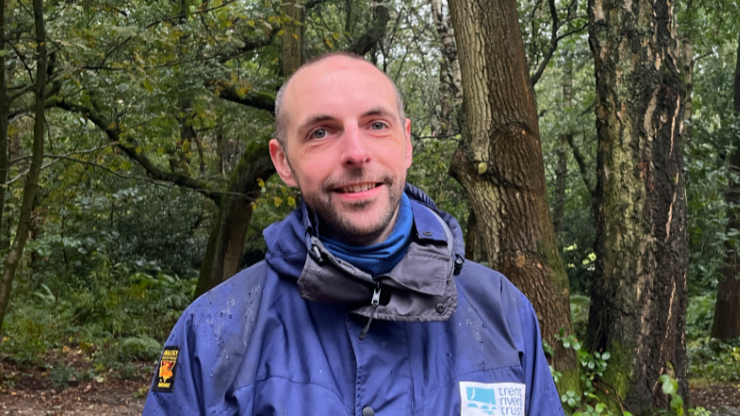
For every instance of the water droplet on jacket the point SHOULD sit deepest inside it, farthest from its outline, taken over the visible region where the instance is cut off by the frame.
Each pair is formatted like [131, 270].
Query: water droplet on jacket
[229, 316]
[227, 358]
[211, 374]
[211, 325]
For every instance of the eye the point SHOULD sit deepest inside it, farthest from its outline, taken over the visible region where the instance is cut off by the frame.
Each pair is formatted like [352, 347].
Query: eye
[319, 134]
[378, 125]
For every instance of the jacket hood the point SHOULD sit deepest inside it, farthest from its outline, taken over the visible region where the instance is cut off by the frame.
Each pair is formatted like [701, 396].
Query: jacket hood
[420, 288]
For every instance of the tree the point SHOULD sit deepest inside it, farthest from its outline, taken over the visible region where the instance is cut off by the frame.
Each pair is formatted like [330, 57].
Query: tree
[14, 256]
[727, 309]
[638, 297]
[4, 112]
[499, 164]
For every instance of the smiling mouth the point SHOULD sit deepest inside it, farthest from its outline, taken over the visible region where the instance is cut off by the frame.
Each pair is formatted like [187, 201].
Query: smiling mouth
[355, 188]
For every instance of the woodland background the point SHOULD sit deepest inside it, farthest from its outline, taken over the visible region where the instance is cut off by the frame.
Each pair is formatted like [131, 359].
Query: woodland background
[590, 149]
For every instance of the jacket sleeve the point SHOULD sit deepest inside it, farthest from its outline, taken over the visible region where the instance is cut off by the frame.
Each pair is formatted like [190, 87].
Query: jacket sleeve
[541, 395]
[184, 395]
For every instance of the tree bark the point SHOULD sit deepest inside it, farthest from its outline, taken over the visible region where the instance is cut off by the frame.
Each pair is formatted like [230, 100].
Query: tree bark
[727, 309]
[499, 164]
[226, 241]
[638, 299]
[4, 112]
[291, 41]
[450, 88]
[15, 255]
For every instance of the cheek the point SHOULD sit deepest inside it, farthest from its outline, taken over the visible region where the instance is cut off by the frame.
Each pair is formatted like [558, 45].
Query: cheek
[313, 172]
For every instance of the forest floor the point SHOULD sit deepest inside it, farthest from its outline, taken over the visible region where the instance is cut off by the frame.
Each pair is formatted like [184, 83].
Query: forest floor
[32, 393]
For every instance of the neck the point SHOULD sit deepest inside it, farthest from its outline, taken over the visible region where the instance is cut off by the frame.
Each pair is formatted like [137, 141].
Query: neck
[378, 255]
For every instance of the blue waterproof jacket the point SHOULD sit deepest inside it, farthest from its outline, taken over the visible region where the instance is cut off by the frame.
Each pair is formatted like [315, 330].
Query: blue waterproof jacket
[283, 337]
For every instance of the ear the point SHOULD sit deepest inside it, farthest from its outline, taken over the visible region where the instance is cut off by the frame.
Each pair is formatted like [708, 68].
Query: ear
[280, 160]
[409, 149]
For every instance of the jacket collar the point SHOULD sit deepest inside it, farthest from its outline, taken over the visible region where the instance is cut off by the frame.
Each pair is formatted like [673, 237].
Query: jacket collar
[420, 288]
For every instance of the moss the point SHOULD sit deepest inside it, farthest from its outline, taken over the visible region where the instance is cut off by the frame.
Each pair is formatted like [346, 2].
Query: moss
[550, 252]
[619, 370]
[570, 380]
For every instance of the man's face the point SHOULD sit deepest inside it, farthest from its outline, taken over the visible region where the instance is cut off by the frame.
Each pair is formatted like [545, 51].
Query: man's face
[346, 148]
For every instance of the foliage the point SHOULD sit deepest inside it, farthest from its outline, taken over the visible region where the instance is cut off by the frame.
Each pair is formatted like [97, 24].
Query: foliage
[714, 359]
[708, 170]
[121, 316]
[699, 314]
[599, 397]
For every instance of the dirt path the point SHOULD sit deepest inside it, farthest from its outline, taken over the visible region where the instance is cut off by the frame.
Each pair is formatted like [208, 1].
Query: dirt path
[86, 399]
[716, 396]
[28, 391]
[33, 394]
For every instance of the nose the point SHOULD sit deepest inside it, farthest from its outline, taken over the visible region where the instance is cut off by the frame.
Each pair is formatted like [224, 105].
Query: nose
[354, 152]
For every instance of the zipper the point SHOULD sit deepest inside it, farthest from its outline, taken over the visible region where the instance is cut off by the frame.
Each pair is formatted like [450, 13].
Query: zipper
[374, 303]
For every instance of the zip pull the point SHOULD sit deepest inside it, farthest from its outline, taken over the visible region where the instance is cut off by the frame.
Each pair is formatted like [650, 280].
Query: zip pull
[374, 303]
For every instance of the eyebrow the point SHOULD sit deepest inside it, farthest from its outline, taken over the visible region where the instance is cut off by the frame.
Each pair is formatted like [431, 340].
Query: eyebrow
[314, 119]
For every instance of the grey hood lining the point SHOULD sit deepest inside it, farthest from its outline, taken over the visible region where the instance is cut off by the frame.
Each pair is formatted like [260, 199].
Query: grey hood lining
[422, 285]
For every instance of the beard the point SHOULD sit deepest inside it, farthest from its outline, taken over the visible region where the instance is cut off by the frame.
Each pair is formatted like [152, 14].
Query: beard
[340, 223]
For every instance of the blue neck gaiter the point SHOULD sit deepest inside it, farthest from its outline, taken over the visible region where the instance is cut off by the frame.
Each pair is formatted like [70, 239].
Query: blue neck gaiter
[379, 258]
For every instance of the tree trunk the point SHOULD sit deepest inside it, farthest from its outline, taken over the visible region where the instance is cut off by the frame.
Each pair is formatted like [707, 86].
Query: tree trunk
[291, 41]
[727, 309]
[4, 112]
[226, 241]
[450, 89]
[14, 256]
[499, 164]
[638, 299]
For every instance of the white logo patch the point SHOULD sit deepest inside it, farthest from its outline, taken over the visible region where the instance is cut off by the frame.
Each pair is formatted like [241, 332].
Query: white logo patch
[491, 399]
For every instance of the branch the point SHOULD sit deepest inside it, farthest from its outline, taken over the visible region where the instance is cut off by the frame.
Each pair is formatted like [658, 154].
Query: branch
[79, 152]
[553, 43]
[581, 165]
[113, 131]
[21, 91]
[313, 3]
[554, 39]
[257, 99]
[157, 22]
[21, 58]
[266, 101]
[374, 33]
[57, 158]
[48, 93]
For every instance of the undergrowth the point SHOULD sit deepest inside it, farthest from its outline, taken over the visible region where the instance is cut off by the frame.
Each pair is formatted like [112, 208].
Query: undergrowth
[103, 323]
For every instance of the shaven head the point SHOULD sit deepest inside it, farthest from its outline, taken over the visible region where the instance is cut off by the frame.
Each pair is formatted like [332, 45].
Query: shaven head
[281, 117]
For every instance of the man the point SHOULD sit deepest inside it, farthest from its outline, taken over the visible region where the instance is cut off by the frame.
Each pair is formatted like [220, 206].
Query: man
[363, 304]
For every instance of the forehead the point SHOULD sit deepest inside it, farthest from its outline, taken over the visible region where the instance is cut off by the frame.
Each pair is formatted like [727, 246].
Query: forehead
[337, 86]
